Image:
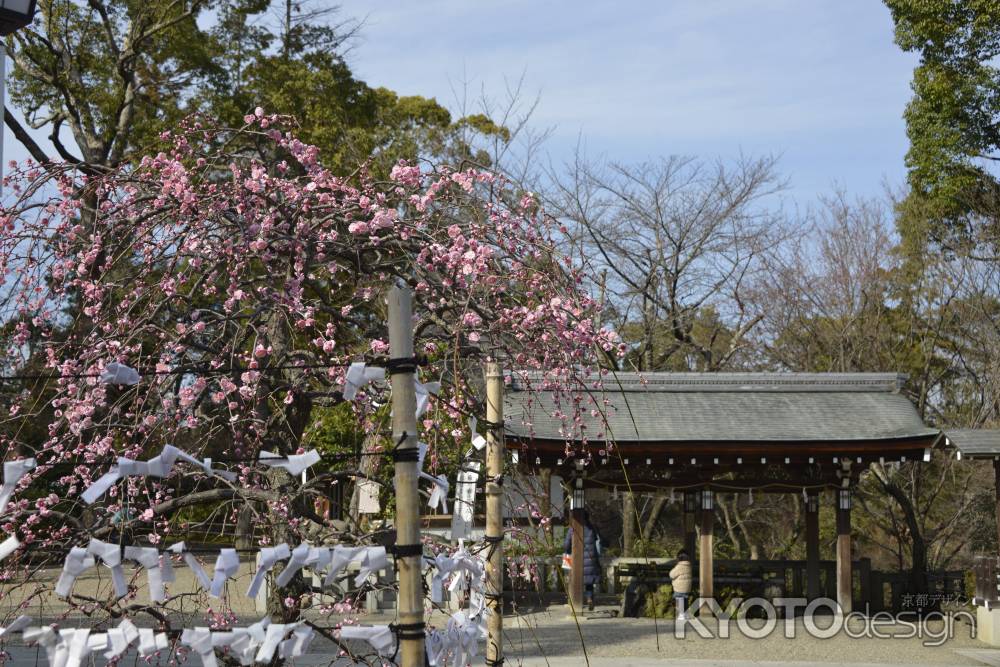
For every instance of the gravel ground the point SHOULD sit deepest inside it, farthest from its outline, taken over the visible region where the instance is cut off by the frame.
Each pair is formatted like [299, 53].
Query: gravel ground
[554, 634]
[552, 638]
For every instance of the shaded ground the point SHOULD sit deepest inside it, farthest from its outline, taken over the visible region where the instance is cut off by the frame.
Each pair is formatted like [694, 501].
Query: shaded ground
[553, 639]
[556, 636]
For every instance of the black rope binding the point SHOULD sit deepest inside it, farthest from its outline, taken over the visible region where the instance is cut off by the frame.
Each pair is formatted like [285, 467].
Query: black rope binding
[406, 631]
[497, 426]
[406, 550]
[407, 455]
[402, 365]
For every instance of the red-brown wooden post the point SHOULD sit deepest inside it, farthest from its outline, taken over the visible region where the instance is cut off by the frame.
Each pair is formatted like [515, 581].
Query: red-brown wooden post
[812, 546]
[577, 524]
[706, 584]
[844, 583]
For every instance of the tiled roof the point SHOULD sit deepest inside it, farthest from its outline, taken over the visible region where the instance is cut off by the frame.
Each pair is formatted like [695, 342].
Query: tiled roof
[694, 407]
[975, 442]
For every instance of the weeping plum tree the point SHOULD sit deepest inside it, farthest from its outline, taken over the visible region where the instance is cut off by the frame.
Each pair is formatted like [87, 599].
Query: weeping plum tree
[241, 277]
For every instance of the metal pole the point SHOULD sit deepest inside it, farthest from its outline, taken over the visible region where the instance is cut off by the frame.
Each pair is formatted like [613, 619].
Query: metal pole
[494, 512]
[404, 428]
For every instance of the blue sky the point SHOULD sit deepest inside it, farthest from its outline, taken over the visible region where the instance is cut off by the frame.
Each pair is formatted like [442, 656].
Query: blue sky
[819, 82]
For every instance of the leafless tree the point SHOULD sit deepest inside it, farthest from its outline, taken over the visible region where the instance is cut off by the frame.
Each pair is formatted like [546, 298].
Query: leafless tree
[678, 241]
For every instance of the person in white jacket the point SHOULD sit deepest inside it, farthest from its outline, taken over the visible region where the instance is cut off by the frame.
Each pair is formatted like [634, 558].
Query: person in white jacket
[680, 579]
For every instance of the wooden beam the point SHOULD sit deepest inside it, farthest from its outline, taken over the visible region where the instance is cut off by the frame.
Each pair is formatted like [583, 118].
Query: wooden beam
[659, 451]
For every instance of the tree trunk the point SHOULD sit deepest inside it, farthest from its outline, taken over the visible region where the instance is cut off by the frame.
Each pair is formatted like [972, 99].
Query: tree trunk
[918, 545]
[654, 516]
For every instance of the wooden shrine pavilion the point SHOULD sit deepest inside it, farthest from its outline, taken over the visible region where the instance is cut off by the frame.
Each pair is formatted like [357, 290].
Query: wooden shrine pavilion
[983, 445]
[704, 433]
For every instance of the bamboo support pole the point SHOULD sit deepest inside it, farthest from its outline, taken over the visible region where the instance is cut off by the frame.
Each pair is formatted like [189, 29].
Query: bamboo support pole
[494, 513]
[404, 428]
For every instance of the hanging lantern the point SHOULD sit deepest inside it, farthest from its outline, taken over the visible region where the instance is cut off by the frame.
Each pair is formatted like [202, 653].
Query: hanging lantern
[707, 500]
[845, 499]
[577, 500]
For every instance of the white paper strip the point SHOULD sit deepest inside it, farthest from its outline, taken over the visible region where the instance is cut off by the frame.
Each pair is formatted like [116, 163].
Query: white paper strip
[302, 555]
[341, 558]
[9, 546]
[358, 375]
[101, 486]
[111, 556]
[226, 566]
[379, 636]
[18, 624]
[150, 643]
[373, 560]
[424, 392]
[298, 643]
[274, 636]
[268, 557]
[77, 561]
[120, 638]
[160, 465]
[115, 373]
[294, 463]
[13, 471]
[439, 492]
[436, 647]
[149, 558]
[193, 565]
[200, 641]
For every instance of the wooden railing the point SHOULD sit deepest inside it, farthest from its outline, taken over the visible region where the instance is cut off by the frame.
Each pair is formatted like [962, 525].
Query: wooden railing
[779, 578]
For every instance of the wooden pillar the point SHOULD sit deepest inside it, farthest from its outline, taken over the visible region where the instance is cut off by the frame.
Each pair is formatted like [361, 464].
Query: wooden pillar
[690, 535]
[545, 499]
[494, 513]
[404, 430]
[706, 583]
[844, 586]
[812, 546]
[576, 572]
[996, 472]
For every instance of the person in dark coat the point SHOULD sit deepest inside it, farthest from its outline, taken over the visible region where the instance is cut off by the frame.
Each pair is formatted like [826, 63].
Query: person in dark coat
[591, 557]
